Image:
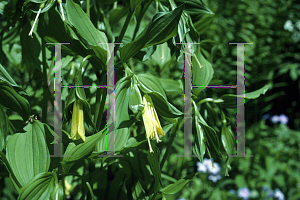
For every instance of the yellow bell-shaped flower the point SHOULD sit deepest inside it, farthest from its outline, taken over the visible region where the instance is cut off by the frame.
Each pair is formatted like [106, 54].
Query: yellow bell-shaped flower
[77, 126]
[151, 121]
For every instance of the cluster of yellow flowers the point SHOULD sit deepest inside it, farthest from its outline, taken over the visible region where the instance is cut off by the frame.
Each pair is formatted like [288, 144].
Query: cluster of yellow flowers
[151, 121]
[150, 118]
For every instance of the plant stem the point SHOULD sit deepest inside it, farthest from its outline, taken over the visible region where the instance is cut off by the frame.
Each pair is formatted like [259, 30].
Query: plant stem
[120, 38]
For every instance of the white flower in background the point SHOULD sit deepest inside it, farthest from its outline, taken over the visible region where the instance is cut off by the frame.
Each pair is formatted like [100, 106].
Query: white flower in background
[278, 194]
[206, 162]
[288, 25]
[201, 167]
[282, 119]
[244, 193]
[214, 169]
[214, 178]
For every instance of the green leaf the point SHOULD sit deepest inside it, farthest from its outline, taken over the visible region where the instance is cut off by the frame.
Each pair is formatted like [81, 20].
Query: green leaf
[40, 187]
[172, 86]
[122, 101]
[162, 27]
[202, 71]
[210, 135]
[27, 152]
[31, 48]
[153, 159]
[135, 99]
[85, 28]
[3, 128]
[121, 137]
[151, 85]
[194, 7]
[13, 100]
[58, 192]
[4, 76]
[83, 150]
[134, 3]
[200, 147]
[177, 186]
[230, 100]
[227, 137]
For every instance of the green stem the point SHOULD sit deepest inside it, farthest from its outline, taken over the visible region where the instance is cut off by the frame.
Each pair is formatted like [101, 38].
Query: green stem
[45, 87]
[120, 38]
[5, 161]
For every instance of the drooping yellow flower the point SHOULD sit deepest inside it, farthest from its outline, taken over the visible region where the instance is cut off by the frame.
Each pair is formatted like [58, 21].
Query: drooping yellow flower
[151, 121]
[77, 126]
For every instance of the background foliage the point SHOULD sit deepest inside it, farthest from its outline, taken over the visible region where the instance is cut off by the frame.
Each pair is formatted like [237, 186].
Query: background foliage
[150, 62]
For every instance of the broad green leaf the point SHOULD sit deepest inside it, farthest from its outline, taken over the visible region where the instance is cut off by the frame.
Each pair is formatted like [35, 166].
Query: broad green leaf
[121, 137]
[85, 28]
[117, 14]
[4, 76]
[202, 71]
[227, 137]
[122, 101]
[177, 186]
[3, 128]
[151, 85]
[153, 159]
[161, 55]
[135, 99]
[194, 7]
[83, 150]
[200, 147]
[13, 100]
[230, 100]
[27, 152]
[45, 29]
[172, 86]
[162, 27]
[40, 187]
[58, 192]
[30, 48]
[210, 136]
